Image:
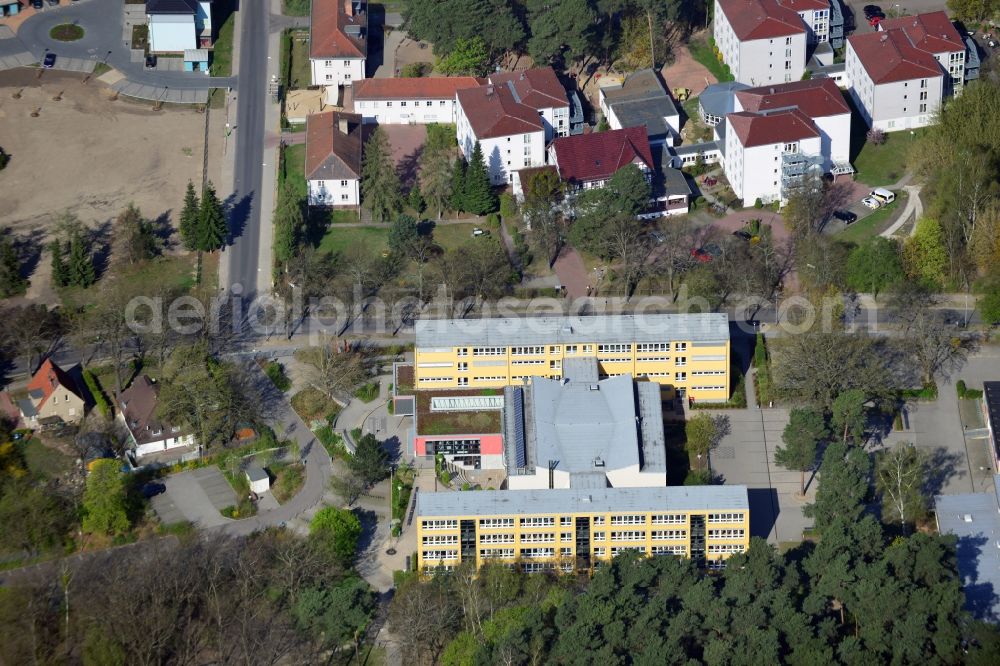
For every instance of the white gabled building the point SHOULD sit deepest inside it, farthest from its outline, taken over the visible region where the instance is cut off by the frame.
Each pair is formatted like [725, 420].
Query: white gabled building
[338, 44]
[761, 41]
[894, 85]
[511, 134]
[815, 15]
[934, 33]
[539, 89]
[406, 101]
[333, 159]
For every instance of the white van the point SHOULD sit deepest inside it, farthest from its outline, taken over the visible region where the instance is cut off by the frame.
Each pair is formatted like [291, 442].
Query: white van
[883, 195]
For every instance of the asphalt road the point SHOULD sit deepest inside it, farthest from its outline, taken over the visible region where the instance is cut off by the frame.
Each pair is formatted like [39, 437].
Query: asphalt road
[102, 42]
[242, 254]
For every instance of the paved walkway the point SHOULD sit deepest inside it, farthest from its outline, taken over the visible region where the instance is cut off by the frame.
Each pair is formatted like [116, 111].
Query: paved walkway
[572, 273]
[914, 206]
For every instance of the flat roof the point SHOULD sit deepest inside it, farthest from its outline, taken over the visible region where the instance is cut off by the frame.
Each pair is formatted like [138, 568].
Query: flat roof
[582, 500]
[512, 331]
[975, 519]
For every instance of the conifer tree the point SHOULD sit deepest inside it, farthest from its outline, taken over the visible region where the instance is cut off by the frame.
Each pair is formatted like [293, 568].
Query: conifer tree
[212, 227]
[11, 282]
[60, 272]
[458, 185]
[81, 265]
[189, 218]
[380, 191]
[479, 197]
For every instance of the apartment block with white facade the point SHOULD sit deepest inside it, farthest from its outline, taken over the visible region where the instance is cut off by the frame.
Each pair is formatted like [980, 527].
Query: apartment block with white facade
[333, 159]
[539, 89]
[895, 85]
[815, 15]
[934, 33]
[511, 134]
[761, 41]
[409, 101]
[338, 44]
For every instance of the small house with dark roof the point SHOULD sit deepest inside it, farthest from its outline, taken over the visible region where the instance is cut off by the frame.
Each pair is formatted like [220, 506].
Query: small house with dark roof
[338, 44]
[148, 434]
[177, 26]
[642, 100]
[53, 396]
[588, 161]
[333, 158]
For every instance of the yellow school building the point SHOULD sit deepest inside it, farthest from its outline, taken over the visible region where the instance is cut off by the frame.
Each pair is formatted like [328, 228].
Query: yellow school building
[688, 354]
[578, 529]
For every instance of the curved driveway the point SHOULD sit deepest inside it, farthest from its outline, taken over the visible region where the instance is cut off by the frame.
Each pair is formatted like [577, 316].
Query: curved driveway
[102, 22]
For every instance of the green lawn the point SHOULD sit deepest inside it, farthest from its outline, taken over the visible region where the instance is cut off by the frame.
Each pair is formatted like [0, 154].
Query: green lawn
[44, 461]
[883, 165]
[295, 7]
[338, 239]
[704, 52]
[343, 216]
[222, 54]
[293, 167]
[295, 69]
[875, 223]
[453, 236]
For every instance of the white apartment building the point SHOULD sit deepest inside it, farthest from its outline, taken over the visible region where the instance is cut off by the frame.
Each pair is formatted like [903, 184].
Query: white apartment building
[815, 15]
[934, 33]
[333, 159]
[761, 41]
[765, 154]
[894, 85]
[511, 134]
[338, 44]
[539, 89]
[409, 101]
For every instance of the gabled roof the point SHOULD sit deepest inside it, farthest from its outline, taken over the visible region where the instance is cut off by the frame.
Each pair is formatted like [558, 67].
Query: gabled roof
[332, 153]
[329, 25]
[138, 407]
[538, 88]
[754, 129]
[815, 97]
[493, 112]
[434, 87]
[932, 32]
[171, 6]
[597, 156]
[805, 5]
[889, 57]
[46, 380]
[761, 19]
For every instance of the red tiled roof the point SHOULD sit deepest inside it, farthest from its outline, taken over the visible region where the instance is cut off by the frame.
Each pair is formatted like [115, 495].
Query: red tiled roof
[805, 5]
[815, 97]
[889, 57]
[753, 129]
[46, 380]
[761, 19]
[599, 155]
[435, 87]
[932, 32]
[538, 88]
[327, 35]
[332, 154]
[493, 112]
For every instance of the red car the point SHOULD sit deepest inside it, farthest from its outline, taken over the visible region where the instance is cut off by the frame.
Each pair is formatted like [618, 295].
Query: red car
[874, 21]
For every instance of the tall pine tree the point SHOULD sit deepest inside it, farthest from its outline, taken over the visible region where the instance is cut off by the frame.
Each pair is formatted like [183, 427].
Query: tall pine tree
[212, 227]
[458, 185]
[81, 265]
[60, 272]
[380, 192]
[479, 197]
[189, 218]
[11, 282]
[288, 223]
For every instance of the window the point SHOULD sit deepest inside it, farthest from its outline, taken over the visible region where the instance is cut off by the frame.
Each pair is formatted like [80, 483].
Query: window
[680, 346]
[329, 77]
[669, 550]
[725, 548]
[669, 535]
[496, 553]
[344, 197]
[669, 519]
[490, 523]
[328, 63]
[566, 521]
[440, 524]
[788, 40]
[681, 376]
[726, 534]
[628, 520]
[570, 349]
[791, 148]
[617, 550]
[634, 535]
[440, 540]
[614, 349]
[343, 183]
[653, 347]
[599, 551]
[463, 381]
[388, 103]
[537, 552]
[923, 108]
[923, 83]
[538, 522]
[725, 517]
[526, 351]
[496, 538]
[488, 351]
[347, 77]
[463, 351]
[441, 103]
[681, 360]
[463, 366]
[597, 520]
[538, 537]
[566, 552]
[440, 554]
[403, 103]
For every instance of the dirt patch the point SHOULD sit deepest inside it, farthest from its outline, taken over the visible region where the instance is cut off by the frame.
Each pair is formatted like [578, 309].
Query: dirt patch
[686, 72]
[90, 154]
[407, 142]
[410, 51]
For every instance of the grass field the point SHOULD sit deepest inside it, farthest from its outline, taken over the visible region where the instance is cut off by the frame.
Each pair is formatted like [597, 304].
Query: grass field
[875, 223]
[222, 54]
[44, 461]
[338, 239]
[295, 7]
[293, 168]
[295, 70]
[452, 236]
[704, 52]
[884, 165]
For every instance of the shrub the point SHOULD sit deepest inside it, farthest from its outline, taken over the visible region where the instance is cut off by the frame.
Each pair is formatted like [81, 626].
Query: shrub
[446, 477]
[758, 204]
[367, 393]
[4, 159]
[875, 136]
[100, 400]
[698, 477]
[415, 70]
[508, 205]
[493, 220]
[966, 393]
[276, 373]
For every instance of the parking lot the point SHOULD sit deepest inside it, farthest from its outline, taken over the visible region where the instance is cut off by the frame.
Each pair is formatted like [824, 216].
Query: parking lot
[197, 496]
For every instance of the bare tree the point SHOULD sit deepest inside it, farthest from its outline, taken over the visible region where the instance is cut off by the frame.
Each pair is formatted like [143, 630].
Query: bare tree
[334, 370]
[32, 332]
[671, 258]
[630, 248]
[900, 476]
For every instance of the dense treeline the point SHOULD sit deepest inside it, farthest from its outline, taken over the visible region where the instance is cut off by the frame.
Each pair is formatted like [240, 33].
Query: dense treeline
[569, 30]
[270, 598]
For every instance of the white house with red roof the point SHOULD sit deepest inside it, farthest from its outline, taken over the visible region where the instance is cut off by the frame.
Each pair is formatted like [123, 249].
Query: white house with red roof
[895, 85]
[539, 89]
[333, 159]
[588, 161]
[762, 41]
[410, 101]
[934, 33]
[338, 44]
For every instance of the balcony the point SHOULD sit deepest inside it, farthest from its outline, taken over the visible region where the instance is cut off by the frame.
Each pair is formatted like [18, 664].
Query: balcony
[795, 167]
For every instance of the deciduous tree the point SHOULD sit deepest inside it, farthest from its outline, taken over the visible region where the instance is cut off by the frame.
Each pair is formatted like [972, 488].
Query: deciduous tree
[874, 266]
[336, 531]
[134, 238]
[805, 431]
[900, 478]
[436, 179]
[105, 501]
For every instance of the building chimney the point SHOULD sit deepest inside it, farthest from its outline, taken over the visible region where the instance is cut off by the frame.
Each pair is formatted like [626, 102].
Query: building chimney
[343, 125]
[349, 7]
[489, 90]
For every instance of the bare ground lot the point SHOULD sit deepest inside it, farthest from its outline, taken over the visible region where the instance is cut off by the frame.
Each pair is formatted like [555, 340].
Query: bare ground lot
[89, 154]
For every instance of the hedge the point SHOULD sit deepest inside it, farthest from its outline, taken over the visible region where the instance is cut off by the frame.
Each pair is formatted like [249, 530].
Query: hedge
[100, 400]
[966, 393]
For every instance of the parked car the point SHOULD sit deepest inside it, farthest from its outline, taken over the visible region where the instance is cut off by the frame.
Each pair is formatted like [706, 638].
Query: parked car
[50, 61]
[883, 195]
[845, 216]
[152, 489]
[745, 235]
[37, 4]
[872, 203]
[151, 62]
[874, 21]
[657, 237]
[476, 231]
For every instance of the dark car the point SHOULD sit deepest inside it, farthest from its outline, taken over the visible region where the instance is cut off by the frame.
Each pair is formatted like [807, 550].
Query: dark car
[50, 61]
[152, 489]
[713, 250]
[53, 3]
[37, 4]
[845, 216]
[745, 235]
[871, 9]
[151, 62]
